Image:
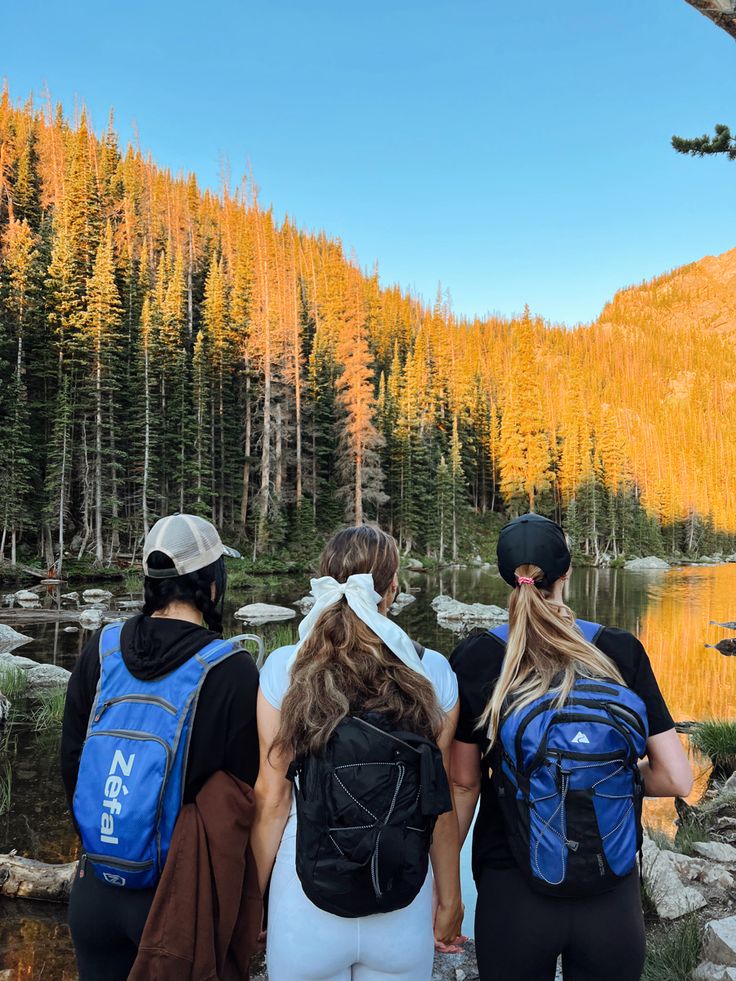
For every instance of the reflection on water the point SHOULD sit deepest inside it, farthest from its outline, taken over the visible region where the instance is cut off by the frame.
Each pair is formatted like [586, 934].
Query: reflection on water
[669, 611]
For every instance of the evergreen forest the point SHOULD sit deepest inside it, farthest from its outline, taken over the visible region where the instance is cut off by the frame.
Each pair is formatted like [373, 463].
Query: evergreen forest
[164, 347]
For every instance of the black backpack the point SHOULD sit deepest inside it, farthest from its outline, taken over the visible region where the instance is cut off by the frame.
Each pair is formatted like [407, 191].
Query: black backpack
[366, 810]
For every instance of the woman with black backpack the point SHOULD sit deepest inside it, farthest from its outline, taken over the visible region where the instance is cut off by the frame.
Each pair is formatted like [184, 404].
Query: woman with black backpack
[360, 720]
[562, 731]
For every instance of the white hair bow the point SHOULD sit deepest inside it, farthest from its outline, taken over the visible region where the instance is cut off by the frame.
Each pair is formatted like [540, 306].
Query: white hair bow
[363, 600]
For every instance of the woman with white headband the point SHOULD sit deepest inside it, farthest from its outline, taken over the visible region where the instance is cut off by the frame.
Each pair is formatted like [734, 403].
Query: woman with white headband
[357, 716]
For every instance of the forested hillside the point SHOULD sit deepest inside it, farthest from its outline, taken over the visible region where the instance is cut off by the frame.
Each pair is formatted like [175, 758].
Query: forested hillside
[164, 348]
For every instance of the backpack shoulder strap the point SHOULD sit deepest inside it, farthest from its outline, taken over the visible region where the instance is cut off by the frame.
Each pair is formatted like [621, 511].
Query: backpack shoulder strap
[590, 631]
[216, 651]
[110, 639]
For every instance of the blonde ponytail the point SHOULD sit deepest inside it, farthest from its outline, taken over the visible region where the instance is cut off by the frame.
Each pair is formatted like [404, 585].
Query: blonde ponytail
[544, 651]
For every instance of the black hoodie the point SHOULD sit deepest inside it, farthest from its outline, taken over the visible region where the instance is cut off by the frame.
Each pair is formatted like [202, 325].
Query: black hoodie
[224, 736]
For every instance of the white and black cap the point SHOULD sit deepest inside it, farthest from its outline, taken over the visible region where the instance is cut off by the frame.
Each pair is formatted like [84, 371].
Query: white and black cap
[189, 541]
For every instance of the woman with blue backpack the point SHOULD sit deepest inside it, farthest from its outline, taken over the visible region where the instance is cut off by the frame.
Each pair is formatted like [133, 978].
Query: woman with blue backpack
[155, 706]
[562, 731]
[352, 800]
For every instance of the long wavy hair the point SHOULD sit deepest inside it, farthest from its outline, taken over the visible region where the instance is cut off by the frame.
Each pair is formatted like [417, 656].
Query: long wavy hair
[545, 651]
[344, 667]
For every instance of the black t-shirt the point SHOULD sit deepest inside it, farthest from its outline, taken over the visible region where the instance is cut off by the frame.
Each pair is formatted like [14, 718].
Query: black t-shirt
[224, 734]
[477, 664]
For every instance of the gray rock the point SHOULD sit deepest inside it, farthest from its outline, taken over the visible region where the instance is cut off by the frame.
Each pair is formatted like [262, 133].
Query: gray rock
[90, 619]
[29, 604]
[730, 558]
[47, 676]
[16, 661]
[413, 565]
[305, 604]
[729, 786]
[71, 630]
[129, 604]
[663, 873]
[10, 639]
[456, 967]
[716, 851]
[27, 596]
[719, 944]
[647, 563]
[70, 597]
[260, 613]
[455, 615]
[708, 971]
[96, 595]
[401, 602]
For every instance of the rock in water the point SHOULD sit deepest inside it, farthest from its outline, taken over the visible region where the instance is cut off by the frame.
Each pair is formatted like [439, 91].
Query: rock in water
[10, 639]
[401, 602]
[26, 596]
[47, 676]
[96, 595]
[650, 562]
[16, 661]
[726, 647]
[4, 710]
[454, 615]
[259, 613]
[91, 619]
[305, 604]
[71, 630]
[70, 597]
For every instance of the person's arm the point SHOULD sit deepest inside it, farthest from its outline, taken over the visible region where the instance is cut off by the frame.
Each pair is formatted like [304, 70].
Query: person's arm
[445, 853]
[272, 793]
[80, 695]
[666, 771]
[466, 776]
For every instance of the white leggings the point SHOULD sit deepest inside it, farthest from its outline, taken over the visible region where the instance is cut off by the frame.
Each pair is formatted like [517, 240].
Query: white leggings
[307, 944]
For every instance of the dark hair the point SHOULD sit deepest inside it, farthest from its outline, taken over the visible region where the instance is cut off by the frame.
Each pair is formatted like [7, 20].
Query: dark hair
[194, 588]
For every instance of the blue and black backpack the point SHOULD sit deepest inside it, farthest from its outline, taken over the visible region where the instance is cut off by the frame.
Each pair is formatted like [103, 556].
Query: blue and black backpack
[131, 773]
[568, 784]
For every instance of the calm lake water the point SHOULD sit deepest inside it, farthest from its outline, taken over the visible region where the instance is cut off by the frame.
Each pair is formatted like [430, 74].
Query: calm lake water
[670, 612]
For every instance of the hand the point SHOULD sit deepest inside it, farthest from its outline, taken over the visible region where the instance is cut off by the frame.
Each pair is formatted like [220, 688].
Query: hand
[448, 920]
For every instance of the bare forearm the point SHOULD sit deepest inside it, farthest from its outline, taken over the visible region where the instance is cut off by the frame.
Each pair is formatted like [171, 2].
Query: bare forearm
[659, 782]
[445, 855]
[466, 799]
[268, 829]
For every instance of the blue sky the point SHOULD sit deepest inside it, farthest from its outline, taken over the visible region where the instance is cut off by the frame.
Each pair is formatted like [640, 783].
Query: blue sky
[516, 152]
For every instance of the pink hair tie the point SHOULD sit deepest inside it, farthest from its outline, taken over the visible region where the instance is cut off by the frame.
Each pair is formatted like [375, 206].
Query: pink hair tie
[524, 581]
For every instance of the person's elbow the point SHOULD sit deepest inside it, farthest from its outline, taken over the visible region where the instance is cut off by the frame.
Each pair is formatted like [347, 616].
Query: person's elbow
[272, 798]
[682, 782]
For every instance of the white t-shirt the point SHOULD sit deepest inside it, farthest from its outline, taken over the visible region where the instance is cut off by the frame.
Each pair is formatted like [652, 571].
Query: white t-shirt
[274, 679]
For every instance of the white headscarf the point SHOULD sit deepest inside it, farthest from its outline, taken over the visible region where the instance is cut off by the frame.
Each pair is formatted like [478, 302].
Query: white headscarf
[363, 600]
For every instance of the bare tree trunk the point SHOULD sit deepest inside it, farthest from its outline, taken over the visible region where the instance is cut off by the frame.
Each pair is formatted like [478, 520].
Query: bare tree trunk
[115, 507]
[146, 432]
[99, 554]
[62, 495]
[246, 451]
[358, 488]
[278, 451]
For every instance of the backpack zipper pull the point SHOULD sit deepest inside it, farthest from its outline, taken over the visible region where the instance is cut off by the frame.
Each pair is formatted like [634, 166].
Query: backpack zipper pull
[103, 708]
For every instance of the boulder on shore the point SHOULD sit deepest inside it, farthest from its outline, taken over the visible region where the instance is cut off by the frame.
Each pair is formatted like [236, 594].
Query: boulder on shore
[650, 562]
[48, 676]
[10, 639]
[70, 597]
[91, 619]
[454, 615]
[719, 951]
[259, 613]
[716, 851]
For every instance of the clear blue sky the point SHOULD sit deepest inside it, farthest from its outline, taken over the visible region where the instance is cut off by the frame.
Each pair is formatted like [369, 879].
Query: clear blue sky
[518, 152]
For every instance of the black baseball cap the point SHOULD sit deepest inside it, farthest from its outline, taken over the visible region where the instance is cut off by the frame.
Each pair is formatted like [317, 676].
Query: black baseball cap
[533, 540]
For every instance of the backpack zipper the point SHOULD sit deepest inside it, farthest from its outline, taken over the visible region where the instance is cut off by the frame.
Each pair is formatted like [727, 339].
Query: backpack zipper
[383, 732]
[147, 699]
[123, 863]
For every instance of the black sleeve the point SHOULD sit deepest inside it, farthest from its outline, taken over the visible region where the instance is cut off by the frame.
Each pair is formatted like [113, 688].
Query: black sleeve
[80, 695]
[476, 664]
[633, 662]
[224, 735]
[646, 687]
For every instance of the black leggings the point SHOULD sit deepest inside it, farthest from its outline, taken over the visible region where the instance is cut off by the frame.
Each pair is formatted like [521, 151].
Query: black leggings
[106, 923]
[519, 933]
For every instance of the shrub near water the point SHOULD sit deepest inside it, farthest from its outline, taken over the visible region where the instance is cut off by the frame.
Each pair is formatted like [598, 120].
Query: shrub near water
[50, 710]
[13, 682]
[716, 740]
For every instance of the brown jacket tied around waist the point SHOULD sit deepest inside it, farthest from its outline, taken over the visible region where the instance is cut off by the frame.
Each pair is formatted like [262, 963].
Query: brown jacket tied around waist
[206, 915]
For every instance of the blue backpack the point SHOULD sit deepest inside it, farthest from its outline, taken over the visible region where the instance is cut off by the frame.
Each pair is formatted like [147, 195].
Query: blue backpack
[131, 773]
[568, 783]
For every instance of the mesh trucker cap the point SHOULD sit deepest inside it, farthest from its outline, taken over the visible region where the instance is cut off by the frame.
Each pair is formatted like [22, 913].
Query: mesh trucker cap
[533, 540]
[190, 542]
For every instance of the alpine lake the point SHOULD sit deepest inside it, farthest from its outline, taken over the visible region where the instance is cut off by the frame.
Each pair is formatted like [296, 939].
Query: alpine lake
[671, 611]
